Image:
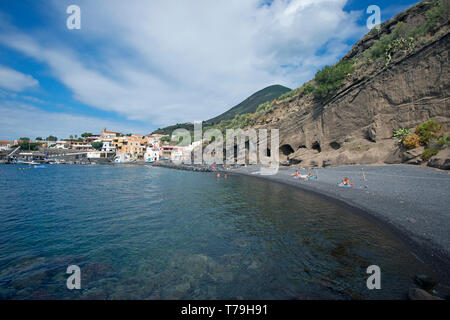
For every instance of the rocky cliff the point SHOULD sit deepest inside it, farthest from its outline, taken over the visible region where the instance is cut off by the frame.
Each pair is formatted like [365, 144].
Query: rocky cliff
[407, 84]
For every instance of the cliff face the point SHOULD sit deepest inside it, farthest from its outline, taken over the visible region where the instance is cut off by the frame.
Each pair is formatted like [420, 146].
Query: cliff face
[355, 125]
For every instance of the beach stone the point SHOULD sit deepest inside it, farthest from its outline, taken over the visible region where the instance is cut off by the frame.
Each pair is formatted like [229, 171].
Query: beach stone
[395, 157]
[94, 294]
[419, 294]
[254, 265]
[413, 156]
[425, 282]
[241, 242]
[222, 276]
[177, 292]
[156, 295]
[95, 271]
[412, 220]
[441, 160]
[232, 259]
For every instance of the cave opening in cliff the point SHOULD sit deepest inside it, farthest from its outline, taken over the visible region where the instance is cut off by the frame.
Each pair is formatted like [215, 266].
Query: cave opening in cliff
[286, 149]
[316, 146]
[335, 145]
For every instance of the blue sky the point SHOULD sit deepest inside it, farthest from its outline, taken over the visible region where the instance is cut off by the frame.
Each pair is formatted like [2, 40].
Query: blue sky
[135, 68]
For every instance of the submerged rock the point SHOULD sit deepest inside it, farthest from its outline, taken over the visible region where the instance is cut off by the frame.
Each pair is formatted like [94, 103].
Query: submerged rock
[425, 282]
[419, 294]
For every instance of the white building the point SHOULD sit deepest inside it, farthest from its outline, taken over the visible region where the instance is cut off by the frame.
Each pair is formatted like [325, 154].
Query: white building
[5, 145]
[61, 145]
[151, 155]
[123, 158]
[108, 146]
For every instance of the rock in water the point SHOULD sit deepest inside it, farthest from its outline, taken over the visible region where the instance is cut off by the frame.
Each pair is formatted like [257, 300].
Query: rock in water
[419, 294]
[425, 282]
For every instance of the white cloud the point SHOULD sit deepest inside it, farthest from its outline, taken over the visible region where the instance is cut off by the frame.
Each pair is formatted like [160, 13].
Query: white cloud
[174, 61]
[13, 80]
[24, 120]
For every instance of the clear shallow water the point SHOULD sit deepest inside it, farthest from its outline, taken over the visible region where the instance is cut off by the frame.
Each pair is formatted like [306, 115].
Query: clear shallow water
[153, 233]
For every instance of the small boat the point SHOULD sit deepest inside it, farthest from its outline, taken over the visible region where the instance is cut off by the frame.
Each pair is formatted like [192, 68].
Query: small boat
[40, 166]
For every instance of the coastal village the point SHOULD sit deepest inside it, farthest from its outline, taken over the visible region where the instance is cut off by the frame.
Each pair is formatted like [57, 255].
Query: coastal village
[103, 148]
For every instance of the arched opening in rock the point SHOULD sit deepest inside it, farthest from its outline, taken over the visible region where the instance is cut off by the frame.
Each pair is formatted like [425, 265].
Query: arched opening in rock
[294, 161]
[335, 145]
[316, 146]
[286, 150]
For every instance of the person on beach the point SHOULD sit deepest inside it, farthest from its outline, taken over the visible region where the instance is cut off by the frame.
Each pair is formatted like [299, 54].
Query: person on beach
[225, 176]
[296, 174]
[345, 182]
[218, 176]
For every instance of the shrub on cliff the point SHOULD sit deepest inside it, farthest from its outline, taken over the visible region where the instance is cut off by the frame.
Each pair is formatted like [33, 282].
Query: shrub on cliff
[330, 78]
[428, 153]
[428, 131]
[444, 141]
[412, 141]
[264, 107]
[401, 134]
[437, 15]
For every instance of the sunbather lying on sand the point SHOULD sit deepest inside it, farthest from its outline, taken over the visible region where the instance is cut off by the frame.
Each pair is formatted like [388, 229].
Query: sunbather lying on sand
[304, 177]
[346, 182]
[295, 174]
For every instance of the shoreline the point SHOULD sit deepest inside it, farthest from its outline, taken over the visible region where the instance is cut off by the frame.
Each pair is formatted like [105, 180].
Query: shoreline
[398, 198]
[432, 249]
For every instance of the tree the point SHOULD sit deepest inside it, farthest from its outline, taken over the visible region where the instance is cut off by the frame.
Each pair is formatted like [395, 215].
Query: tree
[25, 139]
[86, 135]
[97, 145]
[26, 145]
[52, 138]
[71, 137]
[39, 139]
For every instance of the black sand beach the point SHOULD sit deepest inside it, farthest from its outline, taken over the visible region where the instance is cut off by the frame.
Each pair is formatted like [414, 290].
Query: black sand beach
[412, 201]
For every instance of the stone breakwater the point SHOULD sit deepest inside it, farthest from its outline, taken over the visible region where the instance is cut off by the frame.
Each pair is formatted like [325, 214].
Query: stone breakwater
[187, 167]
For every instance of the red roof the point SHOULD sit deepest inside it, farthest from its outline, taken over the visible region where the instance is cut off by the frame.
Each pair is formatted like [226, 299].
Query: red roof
[5, 142]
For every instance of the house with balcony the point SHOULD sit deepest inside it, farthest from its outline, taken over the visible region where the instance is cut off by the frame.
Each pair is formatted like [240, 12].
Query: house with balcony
[151, 155]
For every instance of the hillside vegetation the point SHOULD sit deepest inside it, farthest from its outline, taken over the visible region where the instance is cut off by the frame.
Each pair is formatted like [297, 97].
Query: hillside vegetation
[394, 80]
[237, 114]
[250, 104]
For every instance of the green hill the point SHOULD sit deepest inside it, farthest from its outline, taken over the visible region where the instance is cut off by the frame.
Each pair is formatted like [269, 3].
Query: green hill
[250, 104]
[168, 130]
